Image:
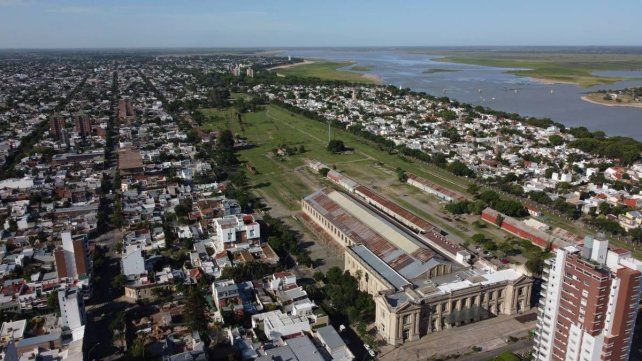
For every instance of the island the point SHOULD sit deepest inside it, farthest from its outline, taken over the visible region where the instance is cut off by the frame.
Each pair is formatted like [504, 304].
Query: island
[629, 97]
[576, 66]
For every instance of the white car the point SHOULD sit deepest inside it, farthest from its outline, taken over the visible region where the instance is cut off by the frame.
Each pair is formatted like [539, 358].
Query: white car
[367, 347]
[371, 353]
[342, 328]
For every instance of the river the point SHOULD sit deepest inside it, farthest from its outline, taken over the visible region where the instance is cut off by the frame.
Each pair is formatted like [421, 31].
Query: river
[492, 87]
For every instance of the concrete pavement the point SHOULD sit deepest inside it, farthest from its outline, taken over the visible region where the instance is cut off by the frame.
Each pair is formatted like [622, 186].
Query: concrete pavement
[489, 335]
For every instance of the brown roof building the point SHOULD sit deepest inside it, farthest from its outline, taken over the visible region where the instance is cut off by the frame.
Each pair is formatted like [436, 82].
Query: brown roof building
[130, 161]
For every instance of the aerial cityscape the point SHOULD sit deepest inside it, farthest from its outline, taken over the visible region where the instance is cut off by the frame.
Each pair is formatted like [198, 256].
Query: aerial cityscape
[289, 181]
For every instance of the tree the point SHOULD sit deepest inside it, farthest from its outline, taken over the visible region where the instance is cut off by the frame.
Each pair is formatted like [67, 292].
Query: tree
[401, 175]
[636, 235]
[318, 276]
[52, 303]
[195, 303]
[478, 238]
[499, 220]
[556, 140]
[334, 274]
[118, 282]
[460, 169]
[137, 351]
[457, 207]
[336, 146]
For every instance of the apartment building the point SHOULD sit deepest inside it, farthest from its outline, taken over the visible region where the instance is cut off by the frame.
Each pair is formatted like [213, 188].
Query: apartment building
[589, 303]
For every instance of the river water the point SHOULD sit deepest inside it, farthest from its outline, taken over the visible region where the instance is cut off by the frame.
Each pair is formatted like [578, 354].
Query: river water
[492, 87]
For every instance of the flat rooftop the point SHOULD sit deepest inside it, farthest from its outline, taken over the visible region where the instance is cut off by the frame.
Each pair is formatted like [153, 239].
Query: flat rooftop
[129, 159]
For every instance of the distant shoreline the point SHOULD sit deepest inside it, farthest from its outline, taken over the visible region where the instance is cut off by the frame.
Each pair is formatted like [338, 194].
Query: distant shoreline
[630, 105]
[546, 81]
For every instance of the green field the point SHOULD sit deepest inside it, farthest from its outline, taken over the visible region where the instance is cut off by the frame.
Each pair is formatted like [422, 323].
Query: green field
[327, 70]
[218, 118]
[566, 67]
[282, 178]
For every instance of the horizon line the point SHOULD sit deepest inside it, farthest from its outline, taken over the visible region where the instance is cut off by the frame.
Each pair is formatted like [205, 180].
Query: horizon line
[314, 47]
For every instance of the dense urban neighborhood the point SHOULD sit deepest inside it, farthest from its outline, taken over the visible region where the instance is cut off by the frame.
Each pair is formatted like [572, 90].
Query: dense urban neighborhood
[207, 207]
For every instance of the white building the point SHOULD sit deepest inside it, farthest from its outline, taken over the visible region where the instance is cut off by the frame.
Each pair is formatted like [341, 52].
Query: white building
[235, 230]
[72, 312]
[277, 324]
[133, 263]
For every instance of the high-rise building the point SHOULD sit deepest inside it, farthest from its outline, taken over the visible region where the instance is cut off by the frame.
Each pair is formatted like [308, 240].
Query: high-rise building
[589, 303]
[126, 110]
[71, 259]
[56, 127]
[72, 311]
[83, 126]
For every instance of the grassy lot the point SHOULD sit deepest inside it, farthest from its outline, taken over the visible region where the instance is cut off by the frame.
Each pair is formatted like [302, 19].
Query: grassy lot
[281, 178]
[220, 118]
[327, 70]
[576, 68]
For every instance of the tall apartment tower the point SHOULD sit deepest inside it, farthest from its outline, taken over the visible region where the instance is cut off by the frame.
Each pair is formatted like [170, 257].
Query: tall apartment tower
[590, 300]
[57, 127]
[71, 259]
[83, 126]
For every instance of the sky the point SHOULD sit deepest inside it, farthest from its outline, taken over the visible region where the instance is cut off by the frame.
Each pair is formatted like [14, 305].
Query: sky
[297, 23]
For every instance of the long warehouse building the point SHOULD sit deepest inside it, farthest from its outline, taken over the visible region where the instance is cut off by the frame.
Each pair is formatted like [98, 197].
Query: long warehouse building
[416, 289]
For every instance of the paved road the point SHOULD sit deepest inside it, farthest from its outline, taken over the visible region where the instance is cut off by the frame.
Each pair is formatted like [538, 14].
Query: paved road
[104, 304]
